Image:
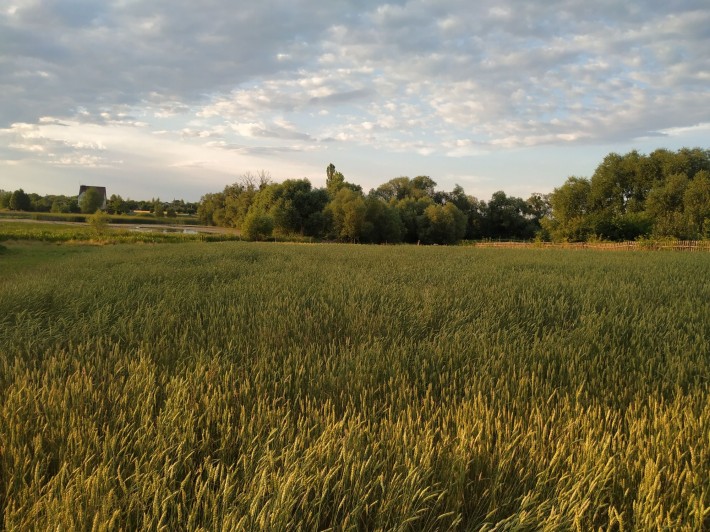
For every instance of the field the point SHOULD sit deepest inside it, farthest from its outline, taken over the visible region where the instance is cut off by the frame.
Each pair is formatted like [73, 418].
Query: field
[272, 386]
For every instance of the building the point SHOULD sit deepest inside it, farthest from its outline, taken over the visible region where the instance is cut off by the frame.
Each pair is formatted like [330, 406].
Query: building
[102, 191]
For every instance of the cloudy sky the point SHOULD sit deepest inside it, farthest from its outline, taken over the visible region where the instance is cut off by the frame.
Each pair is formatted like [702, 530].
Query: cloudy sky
[176, 98]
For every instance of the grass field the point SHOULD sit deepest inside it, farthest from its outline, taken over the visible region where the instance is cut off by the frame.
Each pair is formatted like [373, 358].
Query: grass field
[273, 386]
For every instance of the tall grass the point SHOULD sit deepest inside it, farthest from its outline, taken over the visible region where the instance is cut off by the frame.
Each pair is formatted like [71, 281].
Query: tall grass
[261, 386]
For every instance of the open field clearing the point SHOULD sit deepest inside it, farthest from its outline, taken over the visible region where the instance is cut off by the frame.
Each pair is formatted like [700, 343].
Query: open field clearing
[238, 386]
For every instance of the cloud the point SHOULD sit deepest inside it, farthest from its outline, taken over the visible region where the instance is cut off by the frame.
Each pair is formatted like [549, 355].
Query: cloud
[450, 78]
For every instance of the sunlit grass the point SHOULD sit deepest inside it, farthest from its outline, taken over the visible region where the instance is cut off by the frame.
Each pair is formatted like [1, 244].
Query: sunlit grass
[264, 386]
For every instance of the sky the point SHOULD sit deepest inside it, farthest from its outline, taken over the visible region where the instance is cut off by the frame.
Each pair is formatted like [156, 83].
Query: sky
[173, 99]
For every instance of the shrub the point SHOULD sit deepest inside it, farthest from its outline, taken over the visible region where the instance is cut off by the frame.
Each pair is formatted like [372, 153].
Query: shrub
[99, 222]
[257, 226]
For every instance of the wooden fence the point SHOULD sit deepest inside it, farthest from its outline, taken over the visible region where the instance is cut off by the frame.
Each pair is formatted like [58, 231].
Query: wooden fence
[670, 245]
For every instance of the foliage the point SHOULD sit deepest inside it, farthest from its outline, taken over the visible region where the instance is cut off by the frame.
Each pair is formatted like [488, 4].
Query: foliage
[5, 199]
[348, 214]
[91, 200]
[117, 205]
[257, 225]
[633, 195]
[19, 201]
[252, 386]
[99, 222]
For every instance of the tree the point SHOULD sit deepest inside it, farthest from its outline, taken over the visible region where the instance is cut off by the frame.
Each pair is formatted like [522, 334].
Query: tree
[382, 222]
[5, 199]
[410, 209]
[507, 217]
[334, 180]
[91, 201]
[211, 209]
[116, 205]
[394, 190]
[238, 198]
[158, 208]
[39, 203]
[423, 185]
[348, 214]
[99, 222]
[257, 225]
[20, 201]
[442, 224]
[59, 205]
[665, 207]
[696, 202]
[570, 206]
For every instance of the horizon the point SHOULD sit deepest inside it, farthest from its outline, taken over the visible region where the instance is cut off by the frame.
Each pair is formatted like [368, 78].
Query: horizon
[180, 100]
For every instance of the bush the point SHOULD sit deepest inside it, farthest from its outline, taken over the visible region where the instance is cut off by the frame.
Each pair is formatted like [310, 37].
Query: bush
[257, 226]
[99, 222]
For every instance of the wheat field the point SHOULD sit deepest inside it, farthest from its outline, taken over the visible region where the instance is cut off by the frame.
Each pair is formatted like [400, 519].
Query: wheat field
[240, 386]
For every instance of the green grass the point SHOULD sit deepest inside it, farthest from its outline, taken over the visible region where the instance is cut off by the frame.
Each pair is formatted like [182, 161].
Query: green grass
[275, 386]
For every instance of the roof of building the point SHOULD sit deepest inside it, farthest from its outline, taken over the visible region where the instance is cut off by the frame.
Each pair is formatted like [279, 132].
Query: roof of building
[84, 188]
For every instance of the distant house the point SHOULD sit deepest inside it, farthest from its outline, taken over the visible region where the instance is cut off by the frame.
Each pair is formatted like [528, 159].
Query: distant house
[102, 191]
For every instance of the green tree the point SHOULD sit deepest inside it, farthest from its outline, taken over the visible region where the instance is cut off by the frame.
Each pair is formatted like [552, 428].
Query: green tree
[5, 199]
[334, 180]
[238, 198]
[382, 222]
[508, 217]
[116, 205]
[696, 203]
[60, 206]
[20, 201]
[91, 201]
[410, 209]
[442, 224]
[570, 207]
[348, 214]
[99, 222]
[158, 208]
[665, 207]
[423, 185]
[257, 225]
[395, 189]
[211, 210]
[40, 203]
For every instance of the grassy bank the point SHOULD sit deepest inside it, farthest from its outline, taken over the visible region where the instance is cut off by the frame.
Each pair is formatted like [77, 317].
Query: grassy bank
[60, 233]
[114, 219]
[247, 386]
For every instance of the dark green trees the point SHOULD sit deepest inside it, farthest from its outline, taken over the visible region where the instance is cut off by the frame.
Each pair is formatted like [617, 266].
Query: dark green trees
[20, 201]
[91, 200]
[663, 194]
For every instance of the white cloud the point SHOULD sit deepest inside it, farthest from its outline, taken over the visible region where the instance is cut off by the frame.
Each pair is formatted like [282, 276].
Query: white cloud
[98, 82]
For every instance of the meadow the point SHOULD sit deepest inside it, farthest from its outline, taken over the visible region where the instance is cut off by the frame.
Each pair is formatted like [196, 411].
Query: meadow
[245, 386]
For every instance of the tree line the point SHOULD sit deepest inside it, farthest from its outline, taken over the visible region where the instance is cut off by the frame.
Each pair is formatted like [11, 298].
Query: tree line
[19, 200]
[663, 194]
[401, 210]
